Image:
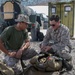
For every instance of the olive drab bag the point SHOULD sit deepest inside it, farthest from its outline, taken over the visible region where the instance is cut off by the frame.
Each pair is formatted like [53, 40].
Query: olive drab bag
[33, 71]
[44, 64]
[4, 70]
[47, 63]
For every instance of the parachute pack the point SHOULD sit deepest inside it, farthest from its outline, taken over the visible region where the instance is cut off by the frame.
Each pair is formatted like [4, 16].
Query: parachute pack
[46, 64]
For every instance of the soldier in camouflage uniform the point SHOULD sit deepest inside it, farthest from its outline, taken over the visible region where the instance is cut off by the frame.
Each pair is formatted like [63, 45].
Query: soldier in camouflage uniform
[14, 42]
[57, 36]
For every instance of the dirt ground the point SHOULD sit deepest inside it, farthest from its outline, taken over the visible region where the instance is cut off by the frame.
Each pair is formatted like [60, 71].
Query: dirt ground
[35, 45]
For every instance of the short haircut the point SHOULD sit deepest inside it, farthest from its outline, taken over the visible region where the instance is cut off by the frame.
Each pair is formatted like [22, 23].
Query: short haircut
[54, 17]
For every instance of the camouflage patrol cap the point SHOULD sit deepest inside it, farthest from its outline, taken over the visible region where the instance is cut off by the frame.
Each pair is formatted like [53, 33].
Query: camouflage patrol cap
[23, 18]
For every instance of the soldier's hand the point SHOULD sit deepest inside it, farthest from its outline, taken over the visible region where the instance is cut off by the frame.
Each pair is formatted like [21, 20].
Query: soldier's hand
[47, 48]
[43, 48]
[12, 54]
[18, 54]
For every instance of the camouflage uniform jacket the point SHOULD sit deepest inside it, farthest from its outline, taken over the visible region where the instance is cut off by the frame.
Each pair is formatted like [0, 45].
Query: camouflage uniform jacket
[60, 38]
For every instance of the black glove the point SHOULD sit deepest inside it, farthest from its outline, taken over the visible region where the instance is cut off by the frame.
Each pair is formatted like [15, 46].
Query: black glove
[52, 51]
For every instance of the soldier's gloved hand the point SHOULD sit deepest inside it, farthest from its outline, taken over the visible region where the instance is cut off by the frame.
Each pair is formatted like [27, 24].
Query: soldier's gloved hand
[52, 51]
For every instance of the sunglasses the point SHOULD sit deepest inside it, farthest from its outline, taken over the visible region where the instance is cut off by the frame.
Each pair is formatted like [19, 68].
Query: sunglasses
[25, 23]
[52, 25]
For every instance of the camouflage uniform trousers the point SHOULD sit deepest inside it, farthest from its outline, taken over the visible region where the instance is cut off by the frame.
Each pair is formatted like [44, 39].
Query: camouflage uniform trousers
[12, 62]
[6, 70]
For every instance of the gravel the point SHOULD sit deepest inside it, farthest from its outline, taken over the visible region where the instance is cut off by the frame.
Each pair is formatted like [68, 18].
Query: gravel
[35, 45]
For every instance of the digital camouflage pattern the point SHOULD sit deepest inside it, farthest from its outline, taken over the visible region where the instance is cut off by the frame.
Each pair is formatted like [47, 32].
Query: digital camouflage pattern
[59, 38]
[6, 70]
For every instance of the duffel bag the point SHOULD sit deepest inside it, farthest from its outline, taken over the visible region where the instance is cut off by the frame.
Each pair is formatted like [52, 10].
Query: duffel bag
[44, 62]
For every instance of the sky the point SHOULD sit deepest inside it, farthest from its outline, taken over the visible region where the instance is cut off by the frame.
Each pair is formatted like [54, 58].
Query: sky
[40, 9]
